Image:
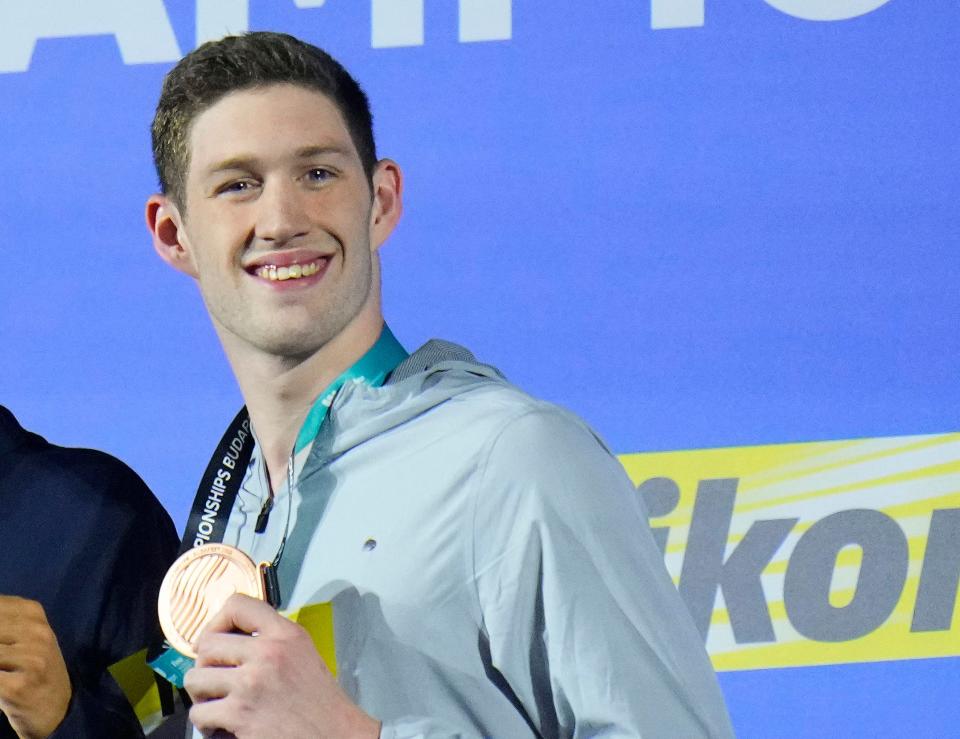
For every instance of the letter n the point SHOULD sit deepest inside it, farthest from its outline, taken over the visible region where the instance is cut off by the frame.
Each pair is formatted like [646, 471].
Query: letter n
[939, 578]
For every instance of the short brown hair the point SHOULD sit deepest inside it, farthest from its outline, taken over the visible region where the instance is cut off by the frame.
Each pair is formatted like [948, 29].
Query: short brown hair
[233, 63]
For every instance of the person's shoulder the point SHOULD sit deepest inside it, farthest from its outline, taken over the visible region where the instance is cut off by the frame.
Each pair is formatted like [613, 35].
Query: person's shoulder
[478, 395]
[88, 463]
[82, 474]
[94, 483]
[545, 468]
[108, 473]
[523, 418]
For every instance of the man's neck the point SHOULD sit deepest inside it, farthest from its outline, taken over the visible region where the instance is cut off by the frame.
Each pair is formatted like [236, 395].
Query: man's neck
[279, 392]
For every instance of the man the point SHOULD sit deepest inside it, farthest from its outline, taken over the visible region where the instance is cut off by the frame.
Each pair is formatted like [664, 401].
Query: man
[85, 546]
[488, 561]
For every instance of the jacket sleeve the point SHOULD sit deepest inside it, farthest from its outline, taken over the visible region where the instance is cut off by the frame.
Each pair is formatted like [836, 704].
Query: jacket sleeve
[583, 621]
[98, 711]
[126, 566]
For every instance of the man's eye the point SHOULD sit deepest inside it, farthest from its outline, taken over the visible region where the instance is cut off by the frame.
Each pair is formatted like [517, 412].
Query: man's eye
[319, 174]
[240, 186]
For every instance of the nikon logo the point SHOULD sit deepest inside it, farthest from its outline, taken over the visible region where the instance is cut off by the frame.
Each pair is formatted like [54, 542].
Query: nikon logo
[812, 553]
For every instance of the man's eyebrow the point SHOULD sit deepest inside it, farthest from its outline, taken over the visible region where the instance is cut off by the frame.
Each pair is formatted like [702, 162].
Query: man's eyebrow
[312, 151]
[247, 163]
[242, 162]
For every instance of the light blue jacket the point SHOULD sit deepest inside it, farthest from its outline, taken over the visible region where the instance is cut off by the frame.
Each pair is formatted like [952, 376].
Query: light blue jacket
[490, 564]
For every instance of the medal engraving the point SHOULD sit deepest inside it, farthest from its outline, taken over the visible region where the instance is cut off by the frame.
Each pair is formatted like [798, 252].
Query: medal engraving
[197, 585]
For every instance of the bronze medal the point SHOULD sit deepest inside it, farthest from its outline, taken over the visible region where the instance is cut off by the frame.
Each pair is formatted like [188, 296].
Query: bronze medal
[197, 585]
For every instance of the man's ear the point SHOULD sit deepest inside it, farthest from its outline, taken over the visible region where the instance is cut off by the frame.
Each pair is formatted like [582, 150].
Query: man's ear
[387, 201]
[169, 238]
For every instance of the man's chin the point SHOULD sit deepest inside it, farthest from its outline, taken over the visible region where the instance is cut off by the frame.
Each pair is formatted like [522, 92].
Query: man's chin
[287, 343]
[294, 348]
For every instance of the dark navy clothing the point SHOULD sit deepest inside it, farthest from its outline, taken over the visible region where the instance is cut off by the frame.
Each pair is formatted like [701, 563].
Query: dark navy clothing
[82, 534]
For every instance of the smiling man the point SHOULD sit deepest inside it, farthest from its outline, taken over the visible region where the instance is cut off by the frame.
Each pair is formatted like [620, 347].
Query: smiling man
[489, 563]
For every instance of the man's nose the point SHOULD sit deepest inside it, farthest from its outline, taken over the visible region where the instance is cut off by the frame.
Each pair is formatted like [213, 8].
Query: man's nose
[281, 213]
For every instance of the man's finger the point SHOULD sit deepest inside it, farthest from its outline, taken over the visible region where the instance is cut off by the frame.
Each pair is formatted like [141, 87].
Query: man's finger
[212, 716]
[209, 683]
[26, 632]
[215, 649]
[246, 614]
[9, 601]
[21, 619]
[14, 606]
[11, 658]
[11, 684]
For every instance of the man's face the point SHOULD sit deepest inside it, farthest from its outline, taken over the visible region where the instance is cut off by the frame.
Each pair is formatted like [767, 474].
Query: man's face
[280, 224]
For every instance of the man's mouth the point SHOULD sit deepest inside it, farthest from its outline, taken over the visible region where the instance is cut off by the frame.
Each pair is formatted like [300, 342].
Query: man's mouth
[288, 272]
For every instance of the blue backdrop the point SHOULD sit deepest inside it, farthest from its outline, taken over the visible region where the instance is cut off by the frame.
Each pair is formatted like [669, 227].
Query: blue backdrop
[741, 229]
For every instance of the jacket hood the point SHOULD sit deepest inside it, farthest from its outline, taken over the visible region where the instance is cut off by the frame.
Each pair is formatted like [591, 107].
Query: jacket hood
[432, 375]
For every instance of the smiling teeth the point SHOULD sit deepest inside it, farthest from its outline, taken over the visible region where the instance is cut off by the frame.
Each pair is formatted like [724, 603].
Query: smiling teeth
[293, 272]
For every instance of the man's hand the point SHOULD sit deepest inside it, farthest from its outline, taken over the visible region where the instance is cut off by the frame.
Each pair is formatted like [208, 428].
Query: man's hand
[271, 684]
[34, 685]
